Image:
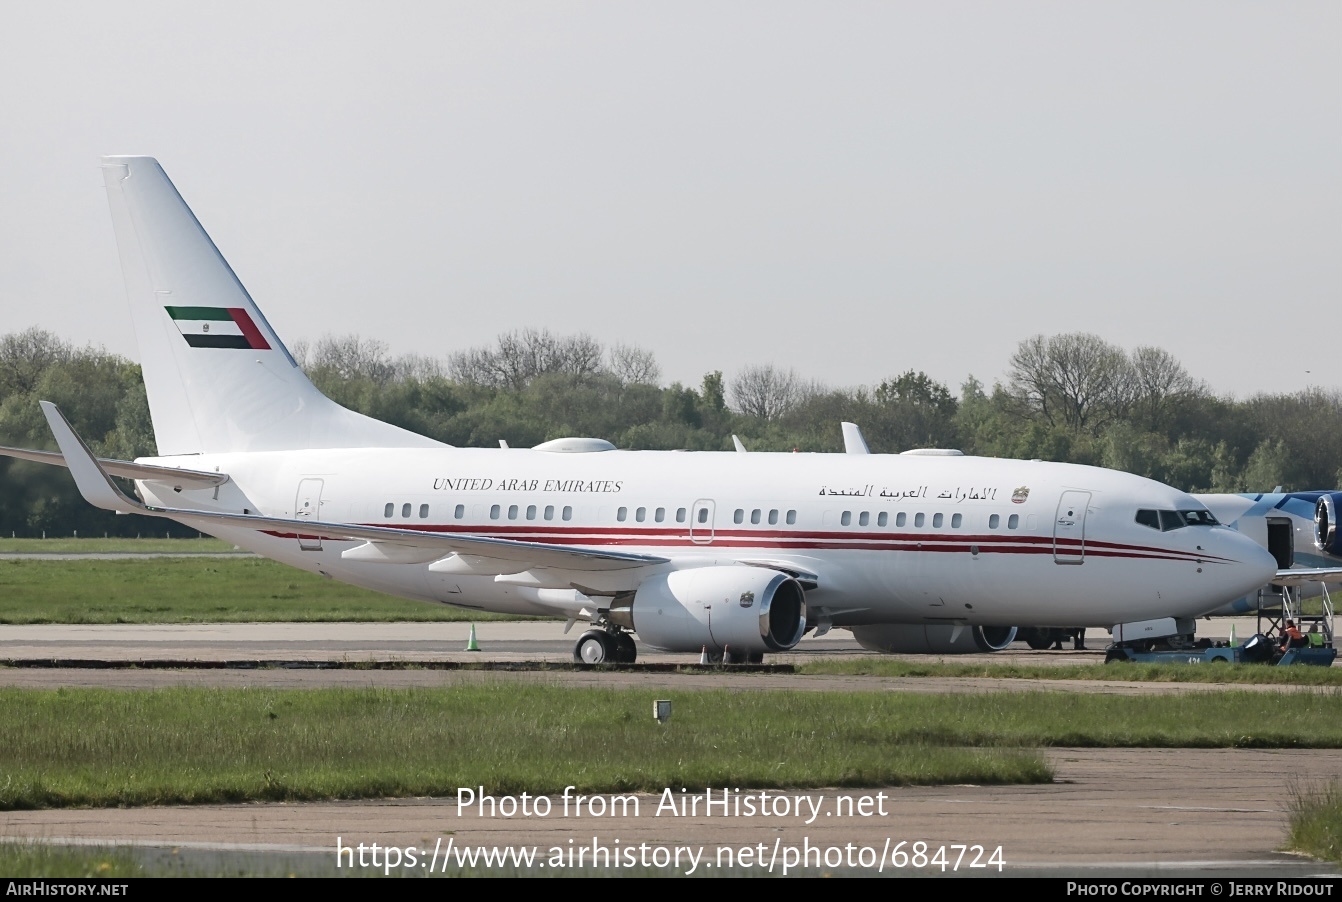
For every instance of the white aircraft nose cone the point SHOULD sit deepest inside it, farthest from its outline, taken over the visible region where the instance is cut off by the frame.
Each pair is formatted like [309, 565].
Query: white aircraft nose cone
[1251, 567]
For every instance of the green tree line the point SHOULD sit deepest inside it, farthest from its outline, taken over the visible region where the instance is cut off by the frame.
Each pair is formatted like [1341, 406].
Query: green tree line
[1070, 397]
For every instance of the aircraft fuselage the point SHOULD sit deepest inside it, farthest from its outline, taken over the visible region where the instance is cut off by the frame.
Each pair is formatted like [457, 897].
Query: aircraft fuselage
[890, 538]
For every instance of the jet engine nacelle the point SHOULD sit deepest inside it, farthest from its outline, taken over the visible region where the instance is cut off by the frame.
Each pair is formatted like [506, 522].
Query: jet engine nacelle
[752, 610]
[1327, 534]
[923, 639]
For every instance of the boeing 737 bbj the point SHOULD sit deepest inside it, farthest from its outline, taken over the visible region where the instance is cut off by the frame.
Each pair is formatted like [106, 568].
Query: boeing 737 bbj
[739, 554]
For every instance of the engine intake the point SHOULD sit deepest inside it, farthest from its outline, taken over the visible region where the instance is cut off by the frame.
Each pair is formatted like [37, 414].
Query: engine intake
[749, 609]
[1327, 535]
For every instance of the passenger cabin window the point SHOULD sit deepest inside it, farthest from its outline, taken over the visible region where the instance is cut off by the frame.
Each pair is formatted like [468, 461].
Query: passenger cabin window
[531, 511]
[919, 519]
[882, 518]
[956, 520]
[423, 511]
[494, 512]
[739, 516]
[936, 521]
[549, 511]
[659, 515]
[1013, 521]
[568, 512]
[994, 521]
[846, 518]
[512, 512]
[680, 515]
[901, 518]
[703, 515]
[389, 511]
[863, 518]
[405, 510]
[460, 511]
[791, 518]
[641, 514]
[621, 514]
[773, 518]
[755, 516]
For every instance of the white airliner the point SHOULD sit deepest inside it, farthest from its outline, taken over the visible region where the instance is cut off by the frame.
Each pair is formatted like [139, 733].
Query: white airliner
[736, 554]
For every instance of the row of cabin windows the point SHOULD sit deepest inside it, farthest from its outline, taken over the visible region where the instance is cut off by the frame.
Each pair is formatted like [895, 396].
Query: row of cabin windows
[919, 520]
[515, 510]
[757, 514]
[739, 516]
[390, 511]
[901, 519]
[495, 512]
[641, 514]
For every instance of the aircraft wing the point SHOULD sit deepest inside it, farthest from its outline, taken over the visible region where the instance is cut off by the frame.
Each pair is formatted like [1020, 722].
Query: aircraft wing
[384, 544]
[177, 478]
[1315, 575]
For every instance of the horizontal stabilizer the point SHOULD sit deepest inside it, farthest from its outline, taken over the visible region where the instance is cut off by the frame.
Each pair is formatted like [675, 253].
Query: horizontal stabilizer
[173, 476]
[99, 490]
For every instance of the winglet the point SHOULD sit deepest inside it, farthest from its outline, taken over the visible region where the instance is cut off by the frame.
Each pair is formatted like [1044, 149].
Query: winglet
[853, 442]
[741, 448]
[94, 483]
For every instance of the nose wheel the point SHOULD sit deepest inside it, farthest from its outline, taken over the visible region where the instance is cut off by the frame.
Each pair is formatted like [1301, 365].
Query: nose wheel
[603, 647]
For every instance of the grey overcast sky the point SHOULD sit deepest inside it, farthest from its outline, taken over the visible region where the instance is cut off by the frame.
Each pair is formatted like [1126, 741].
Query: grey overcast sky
[851, 189]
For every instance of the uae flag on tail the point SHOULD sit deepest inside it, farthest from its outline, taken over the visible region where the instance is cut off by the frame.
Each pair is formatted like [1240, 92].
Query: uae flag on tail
[217, 327]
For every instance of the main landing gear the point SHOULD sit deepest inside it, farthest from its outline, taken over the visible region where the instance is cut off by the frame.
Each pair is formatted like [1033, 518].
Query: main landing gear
[604, 647]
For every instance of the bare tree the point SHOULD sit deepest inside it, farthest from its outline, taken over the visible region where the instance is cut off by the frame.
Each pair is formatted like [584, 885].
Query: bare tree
[766, 391]
[1077, 380]
[524, 354]
[348, 357]
[419, 367]
[1160, 384]
[633, 365]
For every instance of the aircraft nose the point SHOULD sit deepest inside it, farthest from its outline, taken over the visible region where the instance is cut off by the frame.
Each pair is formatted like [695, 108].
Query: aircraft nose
[1249, 567]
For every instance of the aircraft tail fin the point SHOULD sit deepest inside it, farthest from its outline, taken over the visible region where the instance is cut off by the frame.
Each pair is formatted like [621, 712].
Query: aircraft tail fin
[218, 377]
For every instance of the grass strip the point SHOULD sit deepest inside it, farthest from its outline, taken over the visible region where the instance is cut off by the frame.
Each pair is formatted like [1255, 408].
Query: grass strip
[1257, 674]
[1315, 824]
[189, 745]
[197, 590]
[33, 859]
[102, 747]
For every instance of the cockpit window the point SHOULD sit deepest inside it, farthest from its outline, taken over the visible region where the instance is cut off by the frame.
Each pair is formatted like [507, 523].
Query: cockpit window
[1199, 518]
[1169, 520]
